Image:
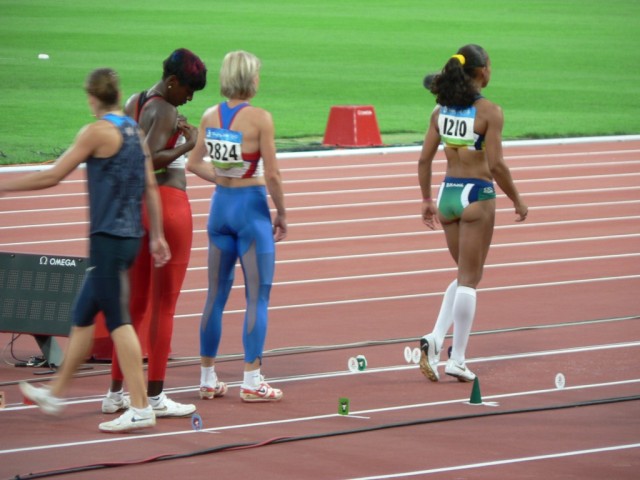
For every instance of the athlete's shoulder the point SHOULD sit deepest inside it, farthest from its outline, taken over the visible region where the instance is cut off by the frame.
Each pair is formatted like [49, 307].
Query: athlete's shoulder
[210, 115]
[485, 103]
[101, 133]
[260, 114]
[131, 103]
[486, 108]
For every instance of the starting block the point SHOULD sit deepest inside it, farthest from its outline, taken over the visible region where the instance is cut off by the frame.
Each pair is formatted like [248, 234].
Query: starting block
[352, 126]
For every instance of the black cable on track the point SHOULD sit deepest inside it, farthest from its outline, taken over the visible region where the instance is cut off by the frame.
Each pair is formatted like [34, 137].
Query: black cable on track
[279, 440]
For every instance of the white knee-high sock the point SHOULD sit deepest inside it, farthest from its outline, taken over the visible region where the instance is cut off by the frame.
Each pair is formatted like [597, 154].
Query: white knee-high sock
[464, 310]
[445, 317]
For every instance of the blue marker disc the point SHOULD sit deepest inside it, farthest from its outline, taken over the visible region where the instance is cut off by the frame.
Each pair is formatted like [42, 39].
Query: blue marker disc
[196, 422]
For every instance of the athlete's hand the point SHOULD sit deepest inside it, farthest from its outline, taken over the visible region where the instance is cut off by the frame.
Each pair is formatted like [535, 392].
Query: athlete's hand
[429, 214]
[189, 132]
[160, 252]
[522, 211]
[279, 228]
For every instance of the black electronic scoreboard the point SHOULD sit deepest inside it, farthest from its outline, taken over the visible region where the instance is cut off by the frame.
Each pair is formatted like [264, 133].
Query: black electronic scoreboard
[37, 293]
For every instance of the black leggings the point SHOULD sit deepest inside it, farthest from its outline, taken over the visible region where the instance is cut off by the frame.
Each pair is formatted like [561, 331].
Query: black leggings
[106, 283]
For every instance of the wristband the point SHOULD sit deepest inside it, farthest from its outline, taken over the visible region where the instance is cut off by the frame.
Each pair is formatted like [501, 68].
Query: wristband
[426, 199]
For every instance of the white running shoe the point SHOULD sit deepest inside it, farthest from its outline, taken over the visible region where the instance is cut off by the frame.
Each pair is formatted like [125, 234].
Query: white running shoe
[262, 393]
[209, 393]
[165, 407]
[115, 402]
[132, 419]
[429, 357]
[42, 397]
[460, 371]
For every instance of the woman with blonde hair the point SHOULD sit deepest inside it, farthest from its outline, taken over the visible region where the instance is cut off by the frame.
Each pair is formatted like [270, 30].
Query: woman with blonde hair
[236, 151]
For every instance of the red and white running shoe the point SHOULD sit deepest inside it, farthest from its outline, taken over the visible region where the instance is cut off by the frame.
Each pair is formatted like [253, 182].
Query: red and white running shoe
[263, 393]
[209, 393]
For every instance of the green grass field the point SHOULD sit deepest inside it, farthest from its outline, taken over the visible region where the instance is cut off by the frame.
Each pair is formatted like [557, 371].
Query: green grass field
[560, 68]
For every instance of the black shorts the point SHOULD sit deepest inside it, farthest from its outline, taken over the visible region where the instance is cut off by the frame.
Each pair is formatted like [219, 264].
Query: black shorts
[106, 283]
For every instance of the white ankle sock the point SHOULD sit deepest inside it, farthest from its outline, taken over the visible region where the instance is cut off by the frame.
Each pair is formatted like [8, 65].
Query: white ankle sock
[208, 377]
[251, 379]
[156, 401]
[116, 395]
[143, 412]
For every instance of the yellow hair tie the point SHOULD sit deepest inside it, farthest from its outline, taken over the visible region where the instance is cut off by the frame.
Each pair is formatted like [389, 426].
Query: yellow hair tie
[460, 58]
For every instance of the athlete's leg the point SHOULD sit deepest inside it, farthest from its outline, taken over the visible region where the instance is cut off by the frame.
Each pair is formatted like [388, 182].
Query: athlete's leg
[258, 272]
[452, 236]
[167, 283]
[445, 317]
[257, 255]
[220, 270]
[78, 350]
[258, 262]
[258, 269]
[114, 300]
[221, 265]
[476, 230]
[129, 353]
[431, 344]
[140, 278]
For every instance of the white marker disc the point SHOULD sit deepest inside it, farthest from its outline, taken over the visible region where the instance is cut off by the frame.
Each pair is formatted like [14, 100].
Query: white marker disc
[416, 355]
[407, 354]
[560, 381]
[353, 364]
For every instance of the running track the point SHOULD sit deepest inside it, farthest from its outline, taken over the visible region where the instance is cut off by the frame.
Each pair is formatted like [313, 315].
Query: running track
[360, 274]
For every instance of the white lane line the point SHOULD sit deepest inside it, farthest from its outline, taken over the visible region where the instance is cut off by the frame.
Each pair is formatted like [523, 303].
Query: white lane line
[302, 419]
[430, 271]
[422, 231]
[360, 219]
[506, 461]
[444, 249]
[579, 281]
[329, 206]
[333, 180]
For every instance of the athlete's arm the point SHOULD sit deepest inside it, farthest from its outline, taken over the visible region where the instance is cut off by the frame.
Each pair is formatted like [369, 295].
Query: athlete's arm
[157, 243]
[429, 149]
[83, 147]
[159, 120]
[499, 169]
[197, 162]
[272, 175]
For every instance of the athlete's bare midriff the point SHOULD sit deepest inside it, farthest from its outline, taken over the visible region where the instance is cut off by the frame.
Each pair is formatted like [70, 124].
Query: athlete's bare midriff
[467, 163]
[172, 177]
[239, 182]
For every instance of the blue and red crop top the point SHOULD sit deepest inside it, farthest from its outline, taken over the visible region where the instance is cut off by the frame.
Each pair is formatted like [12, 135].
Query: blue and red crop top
[224, 147]
[456, 126]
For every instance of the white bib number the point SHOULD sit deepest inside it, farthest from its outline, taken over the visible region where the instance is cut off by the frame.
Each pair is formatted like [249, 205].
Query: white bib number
[456, 126]
[224, 148]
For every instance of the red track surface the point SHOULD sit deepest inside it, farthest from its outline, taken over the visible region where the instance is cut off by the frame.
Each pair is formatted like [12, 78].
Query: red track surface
[360, 274]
